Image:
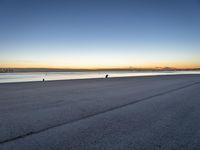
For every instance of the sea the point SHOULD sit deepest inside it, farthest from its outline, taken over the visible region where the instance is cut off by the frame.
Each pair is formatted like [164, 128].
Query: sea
[47, 76]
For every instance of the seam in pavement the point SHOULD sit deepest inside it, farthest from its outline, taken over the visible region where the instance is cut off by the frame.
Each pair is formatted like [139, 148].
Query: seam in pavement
[97, 113]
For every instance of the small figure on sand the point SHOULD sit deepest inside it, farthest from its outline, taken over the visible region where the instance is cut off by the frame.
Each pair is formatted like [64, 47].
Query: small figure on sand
[106, 76]
[43, 80]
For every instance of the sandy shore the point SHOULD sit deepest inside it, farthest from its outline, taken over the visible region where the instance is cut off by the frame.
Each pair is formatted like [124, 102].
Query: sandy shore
[158, 112]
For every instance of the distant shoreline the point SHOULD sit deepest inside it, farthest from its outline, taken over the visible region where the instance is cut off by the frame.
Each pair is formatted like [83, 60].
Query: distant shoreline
[16, 70]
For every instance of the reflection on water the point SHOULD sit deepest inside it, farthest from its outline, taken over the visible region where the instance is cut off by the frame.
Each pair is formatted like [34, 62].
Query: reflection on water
[38, 76]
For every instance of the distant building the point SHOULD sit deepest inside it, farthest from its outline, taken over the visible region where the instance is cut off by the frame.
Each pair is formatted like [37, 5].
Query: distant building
[4, 70]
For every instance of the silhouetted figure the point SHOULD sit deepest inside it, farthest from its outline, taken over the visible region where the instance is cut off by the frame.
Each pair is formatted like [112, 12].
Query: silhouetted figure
[106, 76]
[43, 80]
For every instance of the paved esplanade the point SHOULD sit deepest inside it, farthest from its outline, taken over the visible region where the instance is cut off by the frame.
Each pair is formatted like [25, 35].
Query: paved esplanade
[142, 113]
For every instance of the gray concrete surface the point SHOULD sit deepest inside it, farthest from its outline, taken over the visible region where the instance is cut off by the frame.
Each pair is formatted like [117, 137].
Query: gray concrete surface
[158, 112]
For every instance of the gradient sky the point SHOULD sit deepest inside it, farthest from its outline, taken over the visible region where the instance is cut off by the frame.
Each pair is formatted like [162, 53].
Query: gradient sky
[99, 33]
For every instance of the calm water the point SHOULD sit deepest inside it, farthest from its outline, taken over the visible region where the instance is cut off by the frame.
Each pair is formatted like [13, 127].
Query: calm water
[38, 76]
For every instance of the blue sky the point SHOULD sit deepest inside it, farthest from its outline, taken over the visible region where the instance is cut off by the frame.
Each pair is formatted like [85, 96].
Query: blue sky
[99, 34]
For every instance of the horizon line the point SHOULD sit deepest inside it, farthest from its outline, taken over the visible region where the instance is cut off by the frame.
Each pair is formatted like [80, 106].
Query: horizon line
[105, 68]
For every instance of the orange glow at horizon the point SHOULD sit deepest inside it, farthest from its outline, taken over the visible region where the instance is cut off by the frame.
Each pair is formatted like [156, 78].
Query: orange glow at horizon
[101, 58]
[143, 66]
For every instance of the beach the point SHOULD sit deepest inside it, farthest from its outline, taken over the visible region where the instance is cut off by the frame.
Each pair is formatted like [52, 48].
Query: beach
[144, 112]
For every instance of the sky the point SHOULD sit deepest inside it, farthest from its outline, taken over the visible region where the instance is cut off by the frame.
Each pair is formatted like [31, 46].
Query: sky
[99, 33]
